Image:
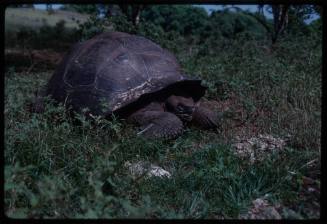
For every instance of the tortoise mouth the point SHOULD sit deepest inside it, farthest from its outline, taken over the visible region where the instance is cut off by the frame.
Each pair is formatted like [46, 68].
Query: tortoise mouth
[185, 117]
[185, 114]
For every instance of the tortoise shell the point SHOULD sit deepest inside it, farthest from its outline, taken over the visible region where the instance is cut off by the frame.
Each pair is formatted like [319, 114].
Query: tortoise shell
[113, 70]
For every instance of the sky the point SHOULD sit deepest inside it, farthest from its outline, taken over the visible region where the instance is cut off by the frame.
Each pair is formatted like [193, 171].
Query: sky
[209, 8]
[43, 6]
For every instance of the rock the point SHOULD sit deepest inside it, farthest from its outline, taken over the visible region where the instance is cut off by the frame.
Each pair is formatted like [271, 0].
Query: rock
[256, 148]
[261, 210]
[141, 168]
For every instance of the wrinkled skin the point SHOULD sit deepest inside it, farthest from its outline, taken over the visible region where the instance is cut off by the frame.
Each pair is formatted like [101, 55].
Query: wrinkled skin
[165, 119]
[183, 107]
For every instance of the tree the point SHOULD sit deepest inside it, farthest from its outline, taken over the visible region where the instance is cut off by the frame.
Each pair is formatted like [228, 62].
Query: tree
[279, 22]
[318, 9]
[280, 18]
[260, 9]
[49, 8]
[229, 24]
[132, 12]
[185, 20]
[286, 18]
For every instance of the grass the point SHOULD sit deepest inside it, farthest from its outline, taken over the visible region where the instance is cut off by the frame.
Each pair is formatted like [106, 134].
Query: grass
[28, 29]
[16, 18]
[55, 168]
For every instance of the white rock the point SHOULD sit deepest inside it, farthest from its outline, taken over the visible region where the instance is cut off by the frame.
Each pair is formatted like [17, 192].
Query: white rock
[140, 168]
[256, 148]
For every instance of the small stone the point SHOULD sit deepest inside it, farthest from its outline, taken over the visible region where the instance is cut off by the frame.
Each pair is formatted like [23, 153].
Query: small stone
[259, 203]
[261, 210]
[145, 168]
[311, 189]
[256, 148]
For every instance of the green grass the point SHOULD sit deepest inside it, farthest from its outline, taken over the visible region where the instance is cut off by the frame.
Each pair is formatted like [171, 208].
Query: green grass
[55, 168]
[27, 29]
[35, 18]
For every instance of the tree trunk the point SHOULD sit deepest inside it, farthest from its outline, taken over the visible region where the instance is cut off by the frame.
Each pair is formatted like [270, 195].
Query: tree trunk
[260, 9]
[280, 17]
[136, 11]
[133, 14]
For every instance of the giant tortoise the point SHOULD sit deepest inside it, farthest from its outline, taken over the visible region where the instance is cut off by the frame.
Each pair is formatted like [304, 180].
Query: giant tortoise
[129, 75]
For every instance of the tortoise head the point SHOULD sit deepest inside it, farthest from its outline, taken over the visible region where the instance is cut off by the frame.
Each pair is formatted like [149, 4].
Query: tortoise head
[181, 106]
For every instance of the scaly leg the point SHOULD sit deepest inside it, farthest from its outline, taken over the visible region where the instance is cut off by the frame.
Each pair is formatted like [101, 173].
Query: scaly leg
[157, 123]
[204, 118]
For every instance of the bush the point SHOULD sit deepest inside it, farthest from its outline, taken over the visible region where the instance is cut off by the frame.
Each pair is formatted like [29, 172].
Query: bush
[93, 26]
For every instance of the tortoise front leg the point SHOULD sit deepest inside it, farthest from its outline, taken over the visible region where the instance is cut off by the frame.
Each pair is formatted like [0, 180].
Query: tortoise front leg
[204, 118]
[157, 124]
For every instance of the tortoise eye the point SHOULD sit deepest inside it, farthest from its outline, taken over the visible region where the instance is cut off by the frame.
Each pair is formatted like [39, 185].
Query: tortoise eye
[180, 108]
[122, 58]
